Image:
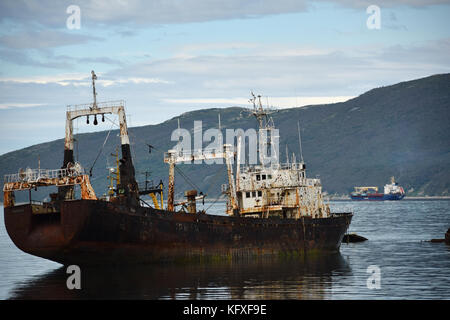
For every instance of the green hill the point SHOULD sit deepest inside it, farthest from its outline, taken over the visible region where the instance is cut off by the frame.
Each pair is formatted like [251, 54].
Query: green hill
[401, 130]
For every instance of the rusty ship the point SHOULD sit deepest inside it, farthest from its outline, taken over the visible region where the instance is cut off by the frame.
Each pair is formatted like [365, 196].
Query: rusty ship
[271, 210]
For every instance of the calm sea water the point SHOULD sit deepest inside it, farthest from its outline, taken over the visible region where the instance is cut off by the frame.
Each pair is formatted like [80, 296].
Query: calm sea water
[410, 267]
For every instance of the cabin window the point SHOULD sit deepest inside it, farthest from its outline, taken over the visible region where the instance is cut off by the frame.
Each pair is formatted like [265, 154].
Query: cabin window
[269, 176]
[247, 194]
[263, 177]
[259, 193]
[258, 177]
[254, 194]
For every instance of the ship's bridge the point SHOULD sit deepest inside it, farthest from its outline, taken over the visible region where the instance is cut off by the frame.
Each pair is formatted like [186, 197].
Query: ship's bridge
[287, 175]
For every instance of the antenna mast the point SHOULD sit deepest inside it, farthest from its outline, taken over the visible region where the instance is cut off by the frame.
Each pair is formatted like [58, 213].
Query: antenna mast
[261, 113]
[287, 154]
[94, 77]
[265, 123]
[299, 140]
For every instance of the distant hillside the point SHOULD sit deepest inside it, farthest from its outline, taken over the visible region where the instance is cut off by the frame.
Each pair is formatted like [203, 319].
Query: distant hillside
[401, 130]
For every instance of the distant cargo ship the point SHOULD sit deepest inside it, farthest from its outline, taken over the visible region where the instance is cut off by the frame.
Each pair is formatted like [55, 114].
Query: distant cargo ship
[392, 191]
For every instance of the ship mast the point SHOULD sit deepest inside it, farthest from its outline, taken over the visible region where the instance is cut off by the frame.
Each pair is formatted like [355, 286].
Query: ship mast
[261, 114]
[94, 77]
[128, 186]
[265, 125]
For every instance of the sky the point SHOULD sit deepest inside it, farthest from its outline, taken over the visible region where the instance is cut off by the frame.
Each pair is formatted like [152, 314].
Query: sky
[167, 57]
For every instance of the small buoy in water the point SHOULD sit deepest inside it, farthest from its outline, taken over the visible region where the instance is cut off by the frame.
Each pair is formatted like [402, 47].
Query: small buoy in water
[353, 237]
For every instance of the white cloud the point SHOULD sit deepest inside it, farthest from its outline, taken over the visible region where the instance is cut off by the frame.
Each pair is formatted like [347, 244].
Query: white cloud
[144, 12]
[387, 3]
[81, 79]
[45, 79]
[19, 105]
[107, 83]
[286, 71]
[157, 12]
[278, 102]
[243, 49]
[44, 39]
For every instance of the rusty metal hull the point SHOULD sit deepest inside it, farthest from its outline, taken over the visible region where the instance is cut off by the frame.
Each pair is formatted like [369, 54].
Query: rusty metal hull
[89, 232]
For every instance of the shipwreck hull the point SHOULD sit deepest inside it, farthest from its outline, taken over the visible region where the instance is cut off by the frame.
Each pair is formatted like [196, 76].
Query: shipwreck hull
[89, 232]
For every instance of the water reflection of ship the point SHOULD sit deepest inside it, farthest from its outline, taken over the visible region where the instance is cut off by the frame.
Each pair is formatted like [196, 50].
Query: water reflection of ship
[309, 277]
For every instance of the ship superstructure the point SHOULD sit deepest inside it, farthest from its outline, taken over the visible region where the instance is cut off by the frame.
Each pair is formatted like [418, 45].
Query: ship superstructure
[393, 191]
[266, 189]
[276, 189]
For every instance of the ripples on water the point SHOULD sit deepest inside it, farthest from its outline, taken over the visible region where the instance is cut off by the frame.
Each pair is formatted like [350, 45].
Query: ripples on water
[410, 267]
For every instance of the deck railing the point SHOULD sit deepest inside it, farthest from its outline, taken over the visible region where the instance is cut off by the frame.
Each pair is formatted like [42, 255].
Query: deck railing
[34, 175]
[84, 106]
